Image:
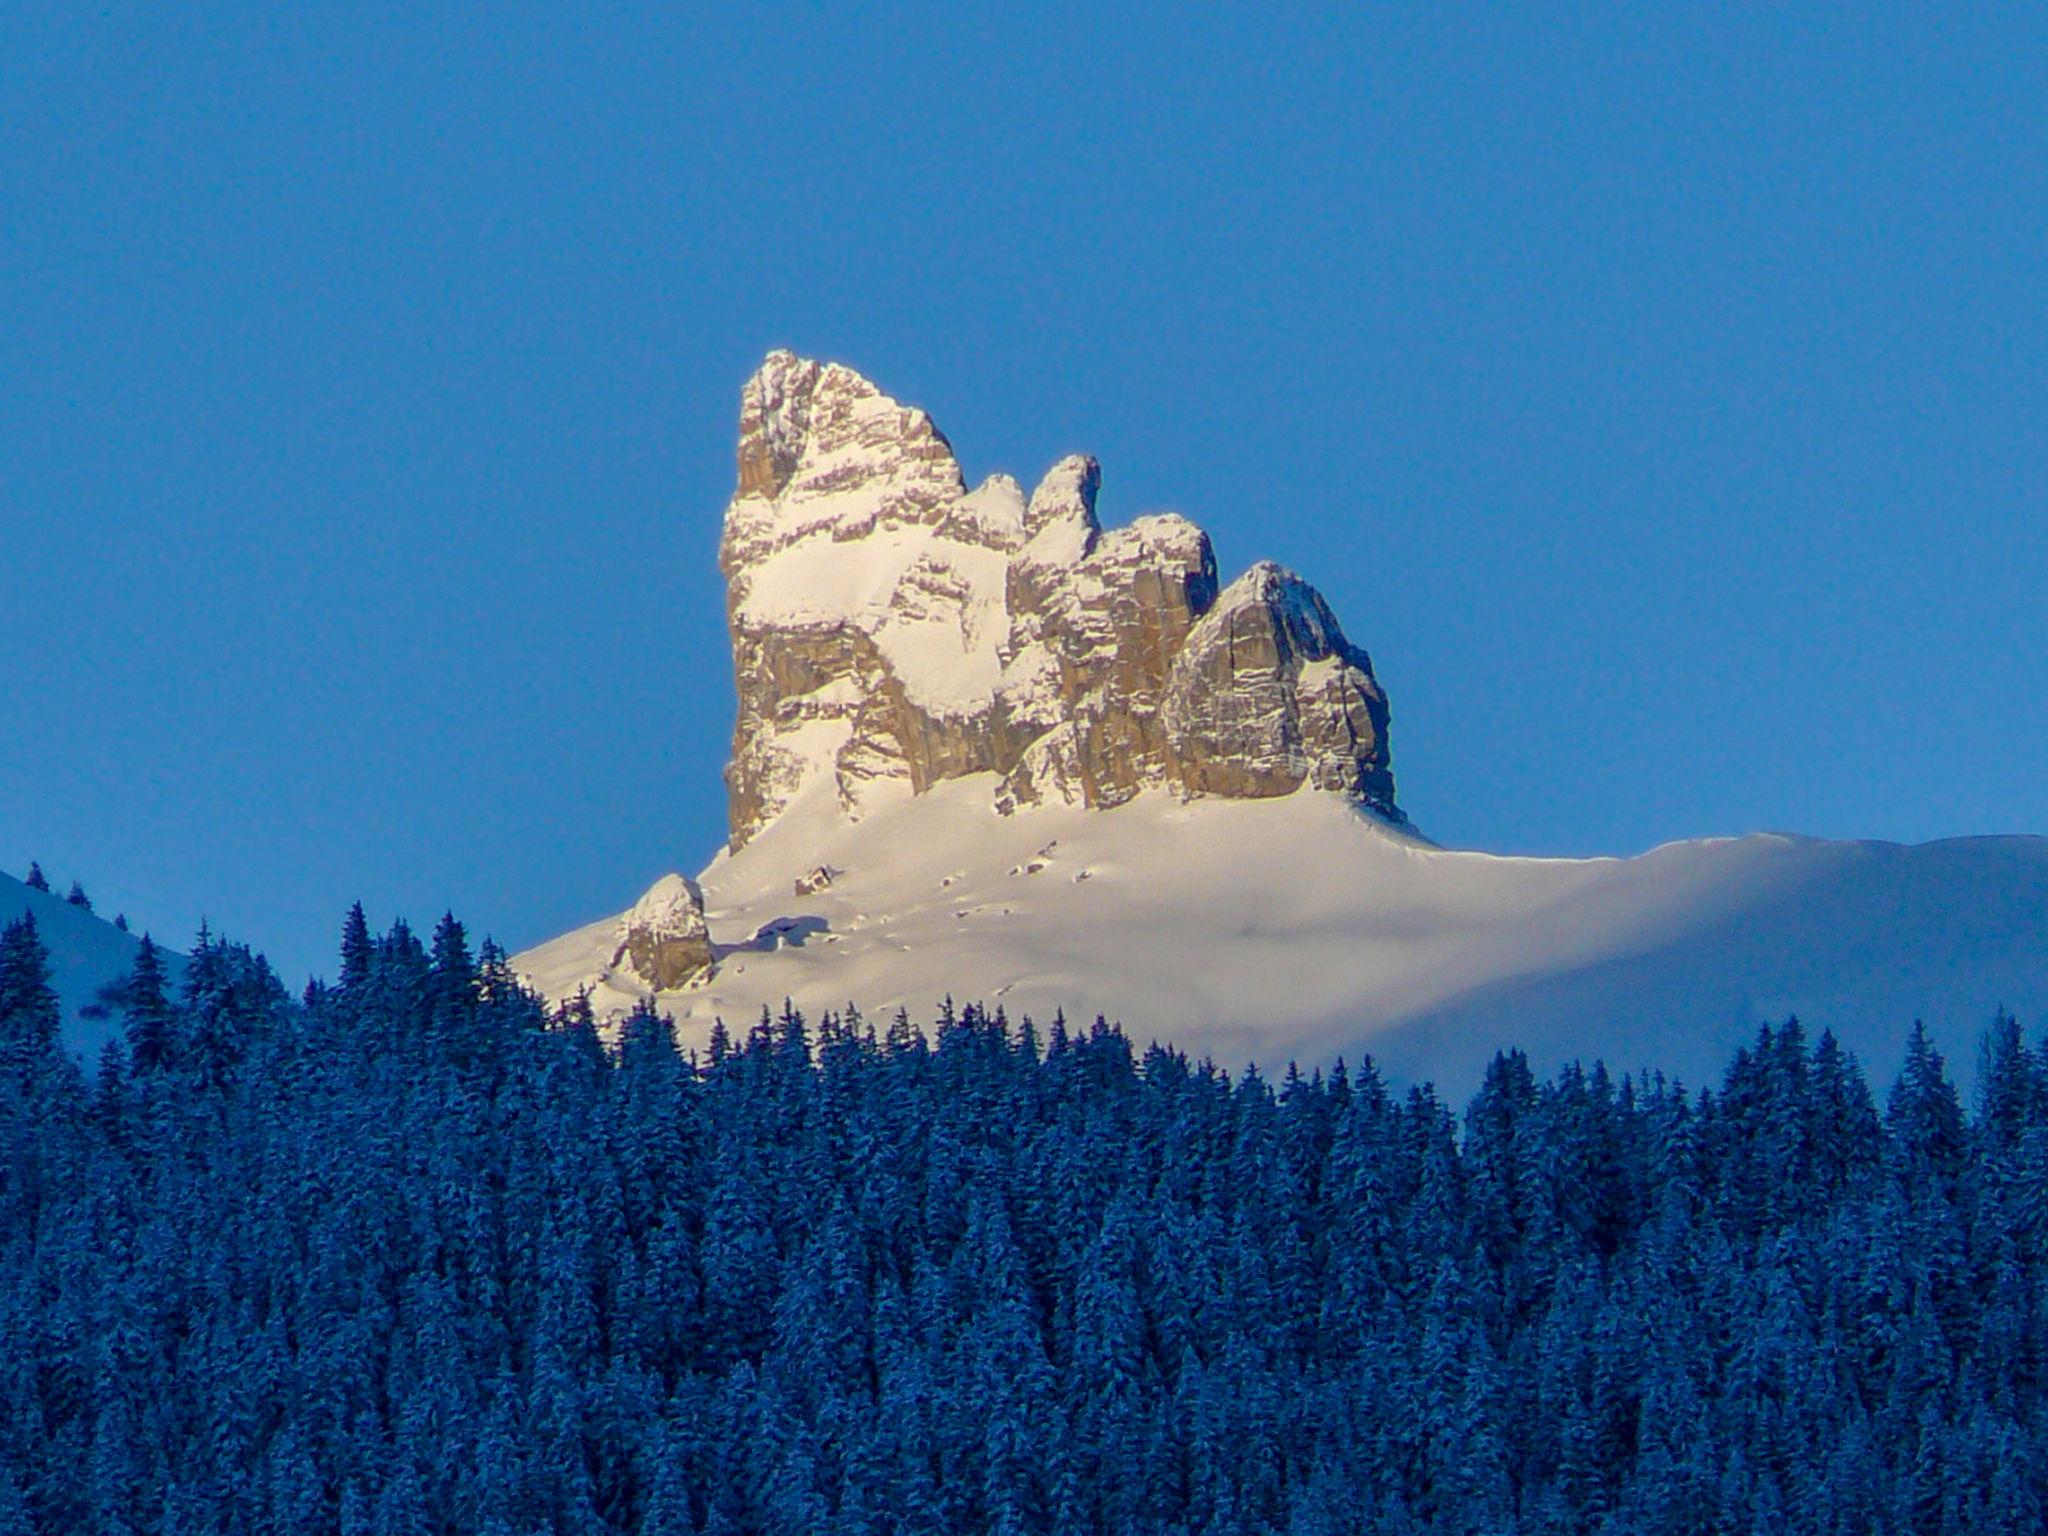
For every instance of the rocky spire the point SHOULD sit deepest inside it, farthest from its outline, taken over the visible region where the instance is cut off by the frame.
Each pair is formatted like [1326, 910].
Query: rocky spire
[889, 625]
[1266, 694]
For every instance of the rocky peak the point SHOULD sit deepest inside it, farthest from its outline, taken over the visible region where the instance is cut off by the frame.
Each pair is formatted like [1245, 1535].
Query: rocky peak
[1266, 694]
[892, 628]
[1059, 523]
[821, 450]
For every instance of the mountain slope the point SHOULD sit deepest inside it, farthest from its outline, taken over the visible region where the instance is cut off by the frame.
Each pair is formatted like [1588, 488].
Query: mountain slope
[987, 747]
[87, 955]
[1301, 928]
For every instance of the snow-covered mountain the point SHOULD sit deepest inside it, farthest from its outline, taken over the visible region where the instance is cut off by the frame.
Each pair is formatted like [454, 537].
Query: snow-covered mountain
[88, 954]
[986, 748]
[892, 627]
[1300, 928]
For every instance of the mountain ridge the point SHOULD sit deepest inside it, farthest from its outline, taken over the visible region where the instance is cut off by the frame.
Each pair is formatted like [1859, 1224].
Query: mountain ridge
[1299, 928]
[953, 700]
[890, 624]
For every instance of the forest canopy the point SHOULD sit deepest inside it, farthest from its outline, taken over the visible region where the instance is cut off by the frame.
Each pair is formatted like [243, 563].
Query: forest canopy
[413, 1253]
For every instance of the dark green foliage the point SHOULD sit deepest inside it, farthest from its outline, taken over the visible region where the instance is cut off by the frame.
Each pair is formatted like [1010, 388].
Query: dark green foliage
[415, 1254]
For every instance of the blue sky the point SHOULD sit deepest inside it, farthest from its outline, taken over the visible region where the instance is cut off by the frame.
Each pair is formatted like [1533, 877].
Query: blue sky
[1657, 393]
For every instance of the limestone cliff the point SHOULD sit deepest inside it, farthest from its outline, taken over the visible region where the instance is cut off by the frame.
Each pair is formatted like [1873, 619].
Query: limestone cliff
[889, 624]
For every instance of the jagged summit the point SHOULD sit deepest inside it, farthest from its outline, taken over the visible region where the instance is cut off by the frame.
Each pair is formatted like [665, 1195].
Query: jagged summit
[1183, 763]
[892, 627]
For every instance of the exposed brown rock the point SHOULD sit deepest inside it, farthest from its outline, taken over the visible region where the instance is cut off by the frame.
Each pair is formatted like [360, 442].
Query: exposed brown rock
[1266, 695]
[888, 624]
[664, 940]
[813, 880]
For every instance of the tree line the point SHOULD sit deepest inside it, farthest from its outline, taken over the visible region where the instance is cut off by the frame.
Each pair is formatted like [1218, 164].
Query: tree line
[415, 1253]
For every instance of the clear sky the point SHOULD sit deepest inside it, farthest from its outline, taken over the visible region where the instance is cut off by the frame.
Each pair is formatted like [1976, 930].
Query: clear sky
[1658, 393]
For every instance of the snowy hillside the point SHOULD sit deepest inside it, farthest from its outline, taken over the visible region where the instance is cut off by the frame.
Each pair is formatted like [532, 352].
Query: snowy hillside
[1203, 839]
[1300, 928]
[87, 954]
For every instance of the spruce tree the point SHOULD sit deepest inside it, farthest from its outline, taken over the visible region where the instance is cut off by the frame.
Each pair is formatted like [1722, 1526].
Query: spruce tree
[962, 1286]
[452, 990]
[1926, 1118]
[152, 1045]
[2008, 1088]
[29, 1017]
[356, 948]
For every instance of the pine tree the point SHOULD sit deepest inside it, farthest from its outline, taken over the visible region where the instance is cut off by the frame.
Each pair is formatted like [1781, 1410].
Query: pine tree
[740, 1258]
[77, 897]
[1848, 1139]
[357, 950]
[542, 1284]
[36, 880]
[226, 999]
[152, 1045]
[453, 990]
[29, 1018]
[1926, 1118]
[110, 1092]
[2008, 1087]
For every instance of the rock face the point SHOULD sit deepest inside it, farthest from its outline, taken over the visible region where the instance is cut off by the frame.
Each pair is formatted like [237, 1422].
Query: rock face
[891, 626]
[664, 940]
[1266, 692]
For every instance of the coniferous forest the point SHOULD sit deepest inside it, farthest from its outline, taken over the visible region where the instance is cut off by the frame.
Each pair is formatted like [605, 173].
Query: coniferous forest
[413, 1254]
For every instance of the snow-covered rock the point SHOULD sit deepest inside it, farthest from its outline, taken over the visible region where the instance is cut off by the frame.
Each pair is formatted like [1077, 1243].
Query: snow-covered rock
[813, 880]
[663, 943]
[891, 627]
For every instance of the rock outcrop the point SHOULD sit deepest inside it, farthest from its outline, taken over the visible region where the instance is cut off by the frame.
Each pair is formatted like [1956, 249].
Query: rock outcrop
[664, 940]
[818, 877]
[1266, 693]
[891, 626]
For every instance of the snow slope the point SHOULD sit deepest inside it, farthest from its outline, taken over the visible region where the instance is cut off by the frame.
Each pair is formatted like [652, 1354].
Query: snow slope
[87, 954]
[1298, 928]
